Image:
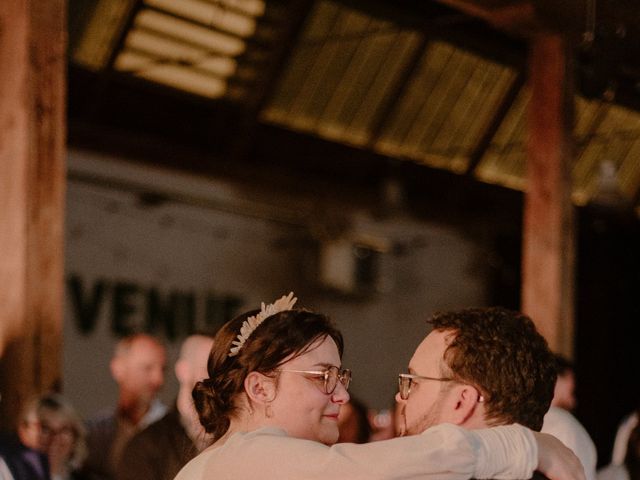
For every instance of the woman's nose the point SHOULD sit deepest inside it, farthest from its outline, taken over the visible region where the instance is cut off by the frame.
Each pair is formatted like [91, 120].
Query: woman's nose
[340, 394]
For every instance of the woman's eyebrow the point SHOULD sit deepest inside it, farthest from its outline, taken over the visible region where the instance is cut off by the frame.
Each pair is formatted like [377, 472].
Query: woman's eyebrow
[325, 365]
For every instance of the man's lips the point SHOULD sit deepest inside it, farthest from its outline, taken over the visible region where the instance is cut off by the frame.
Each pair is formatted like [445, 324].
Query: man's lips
[332, 416]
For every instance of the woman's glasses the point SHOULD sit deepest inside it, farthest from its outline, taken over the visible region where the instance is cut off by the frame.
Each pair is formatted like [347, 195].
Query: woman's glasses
[49, 431]
[405, 380]
[330, 377]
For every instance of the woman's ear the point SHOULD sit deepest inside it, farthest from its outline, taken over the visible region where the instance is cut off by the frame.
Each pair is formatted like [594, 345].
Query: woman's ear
[260, 388]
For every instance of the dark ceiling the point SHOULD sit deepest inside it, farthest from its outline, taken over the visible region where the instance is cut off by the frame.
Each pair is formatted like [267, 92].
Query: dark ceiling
[352, 91]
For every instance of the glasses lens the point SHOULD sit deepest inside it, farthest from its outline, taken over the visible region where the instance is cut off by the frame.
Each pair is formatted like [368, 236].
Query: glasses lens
[330, 379]
[345, 378]
[404, 385]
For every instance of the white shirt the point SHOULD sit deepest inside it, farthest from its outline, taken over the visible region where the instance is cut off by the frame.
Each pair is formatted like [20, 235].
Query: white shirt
[444, 452]
[566, 428]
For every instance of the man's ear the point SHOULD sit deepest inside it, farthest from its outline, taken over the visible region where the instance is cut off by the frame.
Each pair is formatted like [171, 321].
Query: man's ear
[464, 404]
[260, 388]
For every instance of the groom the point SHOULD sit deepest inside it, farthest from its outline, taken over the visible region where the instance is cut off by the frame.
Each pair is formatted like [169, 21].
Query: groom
[478, 367]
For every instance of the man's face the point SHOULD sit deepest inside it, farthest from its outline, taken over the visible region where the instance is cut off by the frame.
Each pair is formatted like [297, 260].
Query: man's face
[427, 402]
[140, 371]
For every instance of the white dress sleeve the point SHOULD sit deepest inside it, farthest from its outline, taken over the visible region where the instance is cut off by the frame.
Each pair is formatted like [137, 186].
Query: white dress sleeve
[444, 452]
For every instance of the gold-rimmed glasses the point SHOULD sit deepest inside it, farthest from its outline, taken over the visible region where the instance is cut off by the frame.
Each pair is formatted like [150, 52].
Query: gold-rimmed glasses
[405, 380]
[330, 377]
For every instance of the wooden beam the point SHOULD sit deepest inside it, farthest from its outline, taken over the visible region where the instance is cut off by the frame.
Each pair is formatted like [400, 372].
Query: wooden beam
[548, 233]
[517, 17]
[32, 176]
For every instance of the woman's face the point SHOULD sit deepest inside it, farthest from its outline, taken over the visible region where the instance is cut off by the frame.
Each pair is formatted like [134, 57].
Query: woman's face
[57, 436]
[301, 407]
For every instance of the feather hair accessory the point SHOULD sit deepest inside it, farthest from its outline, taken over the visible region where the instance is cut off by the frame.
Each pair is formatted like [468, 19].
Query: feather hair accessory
[286, 302]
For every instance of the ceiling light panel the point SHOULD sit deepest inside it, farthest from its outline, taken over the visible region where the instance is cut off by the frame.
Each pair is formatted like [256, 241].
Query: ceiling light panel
[217, 15]
[254, 8]
[189, 80]
[189, 32]
[192, 45]
[165, 50]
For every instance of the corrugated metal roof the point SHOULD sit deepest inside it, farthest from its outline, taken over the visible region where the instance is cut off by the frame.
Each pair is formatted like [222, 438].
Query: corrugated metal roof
[347, 63]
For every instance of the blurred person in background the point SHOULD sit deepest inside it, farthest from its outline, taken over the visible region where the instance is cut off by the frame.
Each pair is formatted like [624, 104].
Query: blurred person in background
[51, 441]
[387, 423]
[61, 437]
[625, 462]
[138, 367]
[353, 422]
[623, 434]
[564, 391]
[560, 423]
[22, 460]
[160, 450]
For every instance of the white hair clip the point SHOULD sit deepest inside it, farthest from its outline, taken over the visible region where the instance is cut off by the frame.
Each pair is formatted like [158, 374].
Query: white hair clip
[286, 302]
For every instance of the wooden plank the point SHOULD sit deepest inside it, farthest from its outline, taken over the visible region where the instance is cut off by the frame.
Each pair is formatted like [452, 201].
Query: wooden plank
[32, 179]
[548, 232]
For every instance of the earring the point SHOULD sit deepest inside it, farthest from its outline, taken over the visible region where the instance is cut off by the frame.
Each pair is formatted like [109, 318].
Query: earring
[268, 412]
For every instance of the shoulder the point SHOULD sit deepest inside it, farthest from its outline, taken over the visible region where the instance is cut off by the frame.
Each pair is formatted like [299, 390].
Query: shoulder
[156, 411]
[104, 419]
[159, 432]
[262, 446]
[558, 420]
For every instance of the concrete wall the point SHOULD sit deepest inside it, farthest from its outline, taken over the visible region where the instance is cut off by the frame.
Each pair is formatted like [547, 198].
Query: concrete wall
[202, 242]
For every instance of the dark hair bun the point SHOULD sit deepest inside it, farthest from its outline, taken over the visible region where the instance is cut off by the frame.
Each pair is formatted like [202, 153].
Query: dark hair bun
[213, 410]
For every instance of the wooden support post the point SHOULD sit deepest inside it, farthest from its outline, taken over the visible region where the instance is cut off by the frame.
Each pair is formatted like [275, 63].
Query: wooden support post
[32, 180]
[548, 232]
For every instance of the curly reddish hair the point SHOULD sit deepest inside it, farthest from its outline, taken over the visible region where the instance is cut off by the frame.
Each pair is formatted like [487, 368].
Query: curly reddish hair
[501, 353]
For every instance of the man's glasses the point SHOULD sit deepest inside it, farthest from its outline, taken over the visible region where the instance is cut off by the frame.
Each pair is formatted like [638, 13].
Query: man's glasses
[330, 377]
[405, 380]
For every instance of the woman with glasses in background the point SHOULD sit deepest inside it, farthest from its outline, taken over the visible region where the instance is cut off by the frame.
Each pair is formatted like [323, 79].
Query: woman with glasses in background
[50, 442]
[276, 385]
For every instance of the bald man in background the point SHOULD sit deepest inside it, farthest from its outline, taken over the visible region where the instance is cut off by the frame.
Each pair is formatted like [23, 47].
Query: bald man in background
[159, 451]
[138, 367]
